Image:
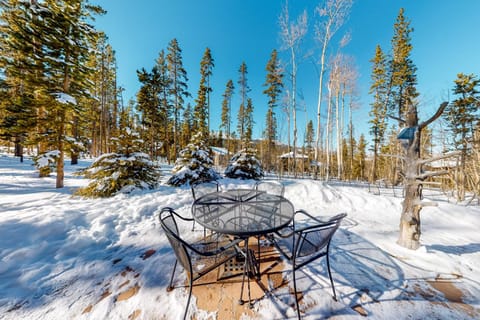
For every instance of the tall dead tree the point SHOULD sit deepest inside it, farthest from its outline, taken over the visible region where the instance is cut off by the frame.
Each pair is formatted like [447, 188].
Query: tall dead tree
[410, 137]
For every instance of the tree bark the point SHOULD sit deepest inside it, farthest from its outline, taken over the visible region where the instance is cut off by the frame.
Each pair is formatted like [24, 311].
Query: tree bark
[410, 219]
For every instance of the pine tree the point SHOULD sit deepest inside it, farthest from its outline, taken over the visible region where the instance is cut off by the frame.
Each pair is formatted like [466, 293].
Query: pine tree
[20, 65]
[462, 117]
[202, 106]
[309, 137]
[121, 172]
[55, 39]
[274, 85]
[403, 78]
[166, 104]
[249, 122]
[148, 103]
[97, 120]
[379, 108]
[179, 87]
[244, 165]
[194, 163]
[359, 166]
[226, 116]
[242, 113]
[187, 125]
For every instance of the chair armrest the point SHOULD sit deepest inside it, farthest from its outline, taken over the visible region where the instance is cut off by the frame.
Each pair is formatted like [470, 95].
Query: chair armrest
[176, 214]
[284, 234]
[215, 252]
[305, 213]
[335, 218]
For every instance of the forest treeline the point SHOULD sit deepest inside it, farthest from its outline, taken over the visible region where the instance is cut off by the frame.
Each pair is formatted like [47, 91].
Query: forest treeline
[59, 95]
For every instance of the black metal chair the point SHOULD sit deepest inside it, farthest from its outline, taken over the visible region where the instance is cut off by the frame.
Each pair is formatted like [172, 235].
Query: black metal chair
[273, 187]
[270, 186]
[306, 241]
[201, 188]
[206, 255]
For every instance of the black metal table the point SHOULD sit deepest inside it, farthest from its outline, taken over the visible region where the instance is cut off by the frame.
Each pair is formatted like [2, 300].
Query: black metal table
[243, 213]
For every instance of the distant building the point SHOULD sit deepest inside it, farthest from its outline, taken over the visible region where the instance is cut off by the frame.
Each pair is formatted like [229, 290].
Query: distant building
[301, 161]
[220, 156]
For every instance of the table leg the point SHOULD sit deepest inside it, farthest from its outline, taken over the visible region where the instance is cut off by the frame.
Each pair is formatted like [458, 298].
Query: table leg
[251, 269]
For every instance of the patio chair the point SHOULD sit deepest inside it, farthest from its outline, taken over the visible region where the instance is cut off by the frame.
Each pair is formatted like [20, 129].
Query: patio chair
[201, 188]
[307, 241]
[273, 187]
[270, 186]
[197, 259]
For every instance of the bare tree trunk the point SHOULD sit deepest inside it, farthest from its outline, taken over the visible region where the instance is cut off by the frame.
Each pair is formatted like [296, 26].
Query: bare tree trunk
[412, 205]
[339, 139]
[328, 131]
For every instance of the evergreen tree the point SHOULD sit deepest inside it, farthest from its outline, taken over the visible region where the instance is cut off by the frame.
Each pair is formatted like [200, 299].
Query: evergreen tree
[226, 116]
[309, 137]
[100, 110]
[378, 112]
[360, 159]
[249, 122]
[403, 78]
[463, 117]
[121, 172]
[194, 163]
[274, 85]
[166, 104]
[20, 66]
[187, 125]
[244, 165]
[148, 103]
[202, 106]
[179, 87]
[242, 113]
[53, 46]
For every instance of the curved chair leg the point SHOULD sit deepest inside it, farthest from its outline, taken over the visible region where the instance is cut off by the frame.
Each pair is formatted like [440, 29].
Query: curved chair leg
[188, 300]
[330, 276]
[170, 286]
[296, 295]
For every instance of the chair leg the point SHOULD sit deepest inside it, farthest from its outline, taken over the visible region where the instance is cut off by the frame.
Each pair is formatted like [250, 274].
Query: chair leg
[170, 286]
[188, 300]
[296, 295]
[259, 253]
[193, 225]
[331, 279]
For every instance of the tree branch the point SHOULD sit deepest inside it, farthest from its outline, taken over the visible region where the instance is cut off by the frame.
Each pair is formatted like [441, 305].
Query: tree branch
[435, 116]
[428, 174]
[440, 157]
[396, 118]
[392, 156]
[425, 203]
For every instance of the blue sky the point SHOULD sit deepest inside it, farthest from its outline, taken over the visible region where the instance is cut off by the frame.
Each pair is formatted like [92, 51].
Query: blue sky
[445, 42]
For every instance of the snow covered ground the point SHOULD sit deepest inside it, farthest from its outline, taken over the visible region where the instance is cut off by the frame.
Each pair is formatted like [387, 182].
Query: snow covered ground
[65, 257]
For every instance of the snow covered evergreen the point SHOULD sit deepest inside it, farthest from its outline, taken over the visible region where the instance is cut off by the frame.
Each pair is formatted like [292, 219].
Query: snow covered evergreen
[194, 164]
[121, 171]
[244, 165]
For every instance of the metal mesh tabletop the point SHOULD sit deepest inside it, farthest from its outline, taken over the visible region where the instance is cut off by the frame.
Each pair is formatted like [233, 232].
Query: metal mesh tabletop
[242, 212]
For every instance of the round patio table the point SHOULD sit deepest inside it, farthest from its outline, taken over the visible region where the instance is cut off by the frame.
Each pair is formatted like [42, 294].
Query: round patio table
[243, 213]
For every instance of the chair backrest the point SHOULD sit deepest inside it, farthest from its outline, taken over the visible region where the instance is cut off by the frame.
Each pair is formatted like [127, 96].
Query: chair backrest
[314, 240]
[169, 226]
[270, 186]
[202, 188]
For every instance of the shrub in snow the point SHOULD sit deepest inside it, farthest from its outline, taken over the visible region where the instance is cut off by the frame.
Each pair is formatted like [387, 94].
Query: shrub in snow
[120, 172]
[194, 164]
[244, 165]
[45, 162]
